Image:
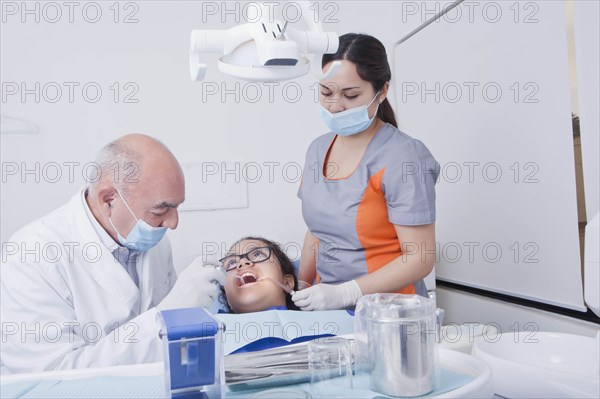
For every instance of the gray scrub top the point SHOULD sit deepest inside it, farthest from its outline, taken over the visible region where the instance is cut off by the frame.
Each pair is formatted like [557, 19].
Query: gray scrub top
[353, 217]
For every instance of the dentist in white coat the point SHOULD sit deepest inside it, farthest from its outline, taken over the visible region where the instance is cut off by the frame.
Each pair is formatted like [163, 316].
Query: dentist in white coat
[81, 287]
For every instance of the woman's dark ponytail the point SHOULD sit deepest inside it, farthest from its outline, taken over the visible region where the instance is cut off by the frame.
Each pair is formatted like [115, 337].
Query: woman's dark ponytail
[386, 113]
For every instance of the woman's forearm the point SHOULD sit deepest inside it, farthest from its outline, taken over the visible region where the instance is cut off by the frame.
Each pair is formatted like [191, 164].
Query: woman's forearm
[399, 273]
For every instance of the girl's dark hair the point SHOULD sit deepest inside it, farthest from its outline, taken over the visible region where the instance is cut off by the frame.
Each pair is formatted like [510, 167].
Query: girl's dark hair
[370, 58]
[286, 265]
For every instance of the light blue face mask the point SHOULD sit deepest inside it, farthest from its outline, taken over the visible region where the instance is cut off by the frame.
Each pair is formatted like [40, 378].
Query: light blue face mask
[350, 121]
[142, 236]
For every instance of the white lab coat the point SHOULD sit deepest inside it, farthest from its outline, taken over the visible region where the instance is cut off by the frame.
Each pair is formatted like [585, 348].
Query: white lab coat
[78, 308]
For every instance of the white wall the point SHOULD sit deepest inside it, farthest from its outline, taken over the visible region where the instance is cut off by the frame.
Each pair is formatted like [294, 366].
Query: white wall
[492, 96]
[152, 56]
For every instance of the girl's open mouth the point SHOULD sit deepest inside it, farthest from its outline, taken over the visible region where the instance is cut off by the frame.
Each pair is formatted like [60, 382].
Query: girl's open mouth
[247, 278]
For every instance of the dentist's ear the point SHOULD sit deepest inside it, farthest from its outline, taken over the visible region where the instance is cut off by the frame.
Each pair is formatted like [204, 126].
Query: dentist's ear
[103, 197]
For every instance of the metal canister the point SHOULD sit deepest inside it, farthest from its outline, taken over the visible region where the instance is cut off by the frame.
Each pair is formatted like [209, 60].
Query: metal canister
[401, 339]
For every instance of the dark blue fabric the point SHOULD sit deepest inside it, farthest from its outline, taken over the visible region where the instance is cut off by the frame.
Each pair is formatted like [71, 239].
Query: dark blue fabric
[272, 342]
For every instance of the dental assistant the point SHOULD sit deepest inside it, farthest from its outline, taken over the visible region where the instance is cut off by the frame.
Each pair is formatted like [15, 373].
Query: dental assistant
[367, 189]
[81, 286]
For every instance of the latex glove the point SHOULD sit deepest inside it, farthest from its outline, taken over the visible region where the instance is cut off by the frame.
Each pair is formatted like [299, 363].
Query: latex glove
[328, 296]
[196, 286]
[212, 260]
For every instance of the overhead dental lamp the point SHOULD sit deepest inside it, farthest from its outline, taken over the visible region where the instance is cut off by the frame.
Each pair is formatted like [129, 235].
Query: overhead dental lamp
[266, 50]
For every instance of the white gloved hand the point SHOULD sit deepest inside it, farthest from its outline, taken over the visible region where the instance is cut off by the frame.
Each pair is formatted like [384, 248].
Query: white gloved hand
[328, 296]
[212, 260]
[196, 286]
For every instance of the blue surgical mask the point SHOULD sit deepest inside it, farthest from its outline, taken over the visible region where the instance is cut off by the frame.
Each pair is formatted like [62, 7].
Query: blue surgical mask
[350, 121]
[142, 236]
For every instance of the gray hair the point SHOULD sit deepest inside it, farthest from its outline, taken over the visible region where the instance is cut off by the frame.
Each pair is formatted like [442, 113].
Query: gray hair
[118, 164]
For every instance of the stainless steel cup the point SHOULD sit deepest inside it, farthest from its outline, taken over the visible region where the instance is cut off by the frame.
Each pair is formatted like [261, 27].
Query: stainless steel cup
[400, 343]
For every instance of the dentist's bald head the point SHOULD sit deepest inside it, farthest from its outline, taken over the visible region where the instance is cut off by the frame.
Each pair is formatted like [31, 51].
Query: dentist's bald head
[148, 177]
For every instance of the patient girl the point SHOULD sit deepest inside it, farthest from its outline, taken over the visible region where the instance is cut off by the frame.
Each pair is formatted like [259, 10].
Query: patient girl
[259, 276]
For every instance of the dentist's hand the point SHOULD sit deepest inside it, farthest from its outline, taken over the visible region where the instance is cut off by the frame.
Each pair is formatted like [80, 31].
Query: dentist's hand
[212, 260]
[195, 287]
[328, 296]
